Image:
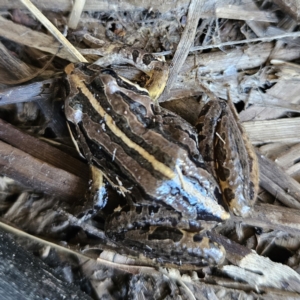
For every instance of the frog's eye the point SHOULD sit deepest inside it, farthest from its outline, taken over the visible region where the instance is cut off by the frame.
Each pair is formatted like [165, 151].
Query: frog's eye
[127, 84]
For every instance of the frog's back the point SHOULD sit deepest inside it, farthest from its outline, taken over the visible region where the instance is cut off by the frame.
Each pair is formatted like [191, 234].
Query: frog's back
[153, 155]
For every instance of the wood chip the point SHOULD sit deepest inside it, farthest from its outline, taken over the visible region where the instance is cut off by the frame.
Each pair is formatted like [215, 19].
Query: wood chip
[268, 216]
[41, 150]
[292, 7]
[279, 130]
[12, 68]
[259, 271]
[242, 13]
[274, 180]
[38, 175]
[289, 157]
[76, 13]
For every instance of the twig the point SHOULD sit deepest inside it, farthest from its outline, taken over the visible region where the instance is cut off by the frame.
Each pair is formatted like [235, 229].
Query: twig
[56, 33]
[185, 43]
[76, 13]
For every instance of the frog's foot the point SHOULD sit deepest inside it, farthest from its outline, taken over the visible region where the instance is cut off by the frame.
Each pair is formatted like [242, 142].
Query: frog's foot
[171, 245]
[97, 188]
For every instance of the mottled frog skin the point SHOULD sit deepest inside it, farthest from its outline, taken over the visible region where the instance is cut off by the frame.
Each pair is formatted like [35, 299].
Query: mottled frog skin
[178, 180]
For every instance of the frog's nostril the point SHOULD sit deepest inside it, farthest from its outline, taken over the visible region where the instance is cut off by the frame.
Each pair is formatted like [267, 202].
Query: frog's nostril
[197, 238]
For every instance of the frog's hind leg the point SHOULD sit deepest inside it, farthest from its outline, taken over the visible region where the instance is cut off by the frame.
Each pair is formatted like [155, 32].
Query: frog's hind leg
[163, 234]
[228, 154]
[236, 163]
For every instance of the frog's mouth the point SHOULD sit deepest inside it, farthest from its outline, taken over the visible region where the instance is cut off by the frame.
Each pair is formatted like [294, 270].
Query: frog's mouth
[194, 199]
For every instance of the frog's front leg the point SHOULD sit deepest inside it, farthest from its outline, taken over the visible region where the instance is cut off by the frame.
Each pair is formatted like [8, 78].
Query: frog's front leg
[229, 155]
[97, 193]
[163, 234]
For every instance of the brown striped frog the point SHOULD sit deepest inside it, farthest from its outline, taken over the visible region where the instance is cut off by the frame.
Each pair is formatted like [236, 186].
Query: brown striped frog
[179, 180]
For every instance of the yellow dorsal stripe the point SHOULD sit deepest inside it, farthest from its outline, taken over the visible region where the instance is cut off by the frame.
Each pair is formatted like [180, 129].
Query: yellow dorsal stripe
[157, 165]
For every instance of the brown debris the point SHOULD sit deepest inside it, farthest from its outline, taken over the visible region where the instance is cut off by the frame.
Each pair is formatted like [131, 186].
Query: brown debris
[33, 146]
[250, 48]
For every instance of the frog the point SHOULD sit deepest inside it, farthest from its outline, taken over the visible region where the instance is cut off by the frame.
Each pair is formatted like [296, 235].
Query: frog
[179, 180]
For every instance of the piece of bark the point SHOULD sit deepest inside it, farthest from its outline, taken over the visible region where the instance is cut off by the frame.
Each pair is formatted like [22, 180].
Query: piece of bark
[275, 150]
[262, 113]
[260, 271]
[24, 276]
[41, 150]
[12, 68]
[270, 108]
[279, 130]
[255, 269]
[274, 180]
[289, 157]
[294, 171]
[219, 62]
[241, 12]
[246, 57]
[286, 88]
[268, 216]
[292, 7]
[259, 28]
[38, 175]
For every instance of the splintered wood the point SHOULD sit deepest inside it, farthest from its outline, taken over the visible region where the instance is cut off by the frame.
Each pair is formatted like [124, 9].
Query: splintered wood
[246, 49]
